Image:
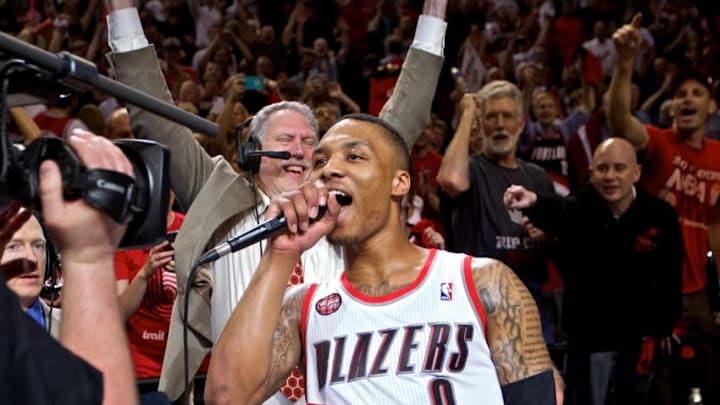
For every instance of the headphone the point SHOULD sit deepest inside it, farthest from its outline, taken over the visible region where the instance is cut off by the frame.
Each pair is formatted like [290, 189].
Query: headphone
[249, 153]
[51, 283]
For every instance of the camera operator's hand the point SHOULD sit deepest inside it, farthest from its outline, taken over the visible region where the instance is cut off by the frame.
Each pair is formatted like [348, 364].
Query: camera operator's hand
[87, 238]
[81, 232]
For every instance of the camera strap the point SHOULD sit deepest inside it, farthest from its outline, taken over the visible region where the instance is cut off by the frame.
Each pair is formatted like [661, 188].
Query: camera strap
[115, 193]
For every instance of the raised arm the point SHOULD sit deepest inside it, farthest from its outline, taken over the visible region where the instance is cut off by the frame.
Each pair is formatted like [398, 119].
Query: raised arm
[408, 109]
[514, 335]
[91, 326]
[137, 65]
[627, 42]
[28, 128]
[454, 174]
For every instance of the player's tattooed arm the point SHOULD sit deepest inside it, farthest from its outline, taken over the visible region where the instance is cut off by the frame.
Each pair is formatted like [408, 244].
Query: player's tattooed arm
[287, 345]
[513, 330]
[258, 347]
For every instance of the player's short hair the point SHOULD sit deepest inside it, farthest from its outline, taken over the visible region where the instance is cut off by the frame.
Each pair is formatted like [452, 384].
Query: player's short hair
[401, 153]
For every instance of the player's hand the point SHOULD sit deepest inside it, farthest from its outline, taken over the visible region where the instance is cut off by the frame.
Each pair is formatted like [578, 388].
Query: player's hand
[299, 207]
[627, 40]
[518, 197]
[82, 233]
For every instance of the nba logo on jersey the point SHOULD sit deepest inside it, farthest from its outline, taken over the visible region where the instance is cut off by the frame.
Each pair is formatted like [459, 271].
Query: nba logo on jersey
[446, 291]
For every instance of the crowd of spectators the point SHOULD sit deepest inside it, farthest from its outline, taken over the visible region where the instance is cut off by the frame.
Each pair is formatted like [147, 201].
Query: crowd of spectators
[225, 60]
[334, 54]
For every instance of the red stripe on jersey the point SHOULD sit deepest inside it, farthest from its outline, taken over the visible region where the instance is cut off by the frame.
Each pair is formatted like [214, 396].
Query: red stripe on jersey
[395, 295]
[467, 271]
[304, 315]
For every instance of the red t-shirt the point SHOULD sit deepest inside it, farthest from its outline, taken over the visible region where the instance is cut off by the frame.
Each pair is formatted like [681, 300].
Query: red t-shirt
[148, 327]
[689, 179]
[426, 169]
[566, 35]
[51, 124]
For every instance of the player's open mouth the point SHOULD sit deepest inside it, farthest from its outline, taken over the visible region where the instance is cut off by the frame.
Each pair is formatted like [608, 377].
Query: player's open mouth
[342, 198]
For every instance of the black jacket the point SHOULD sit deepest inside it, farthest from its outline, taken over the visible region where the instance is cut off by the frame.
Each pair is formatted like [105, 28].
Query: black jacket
[35, 369]
[622, 276]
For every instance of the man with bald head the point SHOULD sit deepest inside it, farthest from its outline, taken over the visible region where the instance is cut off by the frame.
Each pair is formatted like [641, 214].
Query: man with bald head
[118, 125]
[620, 256]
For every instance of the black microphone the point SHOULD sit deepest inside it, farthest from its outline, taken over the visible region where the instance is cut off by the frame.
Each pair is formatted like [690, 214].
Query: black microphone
[262, 231]
[276, 154]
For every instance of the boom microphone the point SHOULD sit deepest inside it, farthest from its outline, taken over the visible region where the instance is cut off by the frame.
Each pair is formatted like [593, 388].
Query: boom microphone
[81, 75]
[262, 231]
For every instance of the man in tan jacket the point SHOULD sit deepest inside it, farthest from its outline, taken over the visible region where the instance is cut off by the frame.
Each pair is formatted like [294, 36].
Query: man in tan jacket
[218, 200]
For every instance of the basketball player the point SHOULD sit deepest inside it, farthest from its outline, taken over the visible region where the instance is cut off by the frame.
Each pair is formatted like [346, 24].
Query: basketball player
[402, 324]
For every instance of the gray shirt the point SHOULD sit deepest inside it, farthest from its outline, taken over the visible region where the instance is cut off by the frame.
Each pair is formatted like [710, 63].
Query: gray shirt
[482, 226]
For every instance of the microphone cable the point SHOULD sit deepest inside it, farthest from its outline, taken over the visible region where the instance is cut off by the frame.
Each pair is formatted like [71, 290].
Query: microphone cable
[186, 304]
[186, 326]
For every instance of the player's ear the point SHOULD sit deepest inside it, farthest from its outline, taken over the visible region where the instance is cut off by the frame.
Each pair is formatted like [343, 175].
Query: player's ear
[401, 183]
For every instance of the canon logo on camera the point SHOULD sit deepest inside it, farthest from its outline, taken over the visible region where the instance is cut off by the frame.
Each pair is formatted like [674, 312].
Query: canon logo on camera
[104, 184]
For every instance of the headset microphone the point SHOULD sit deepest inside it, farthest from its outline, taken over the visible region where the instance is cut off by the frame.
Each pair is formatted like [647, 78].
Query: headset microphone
[275, 154]
[249, 152]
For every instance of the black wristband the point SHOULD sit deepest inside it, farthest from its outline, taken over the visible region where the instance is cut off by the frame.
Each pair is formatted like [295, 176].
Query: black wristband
[538, 390]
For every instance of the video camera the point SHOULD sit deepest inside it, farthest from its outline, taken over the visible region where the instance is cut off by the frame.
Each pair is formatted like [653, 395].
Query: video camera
[39, 75]
[142, 201]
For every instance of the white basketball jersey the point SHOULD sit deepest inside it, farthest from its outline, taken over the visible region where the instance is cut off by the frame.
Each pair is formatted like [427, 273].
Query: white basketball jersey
[424, 344]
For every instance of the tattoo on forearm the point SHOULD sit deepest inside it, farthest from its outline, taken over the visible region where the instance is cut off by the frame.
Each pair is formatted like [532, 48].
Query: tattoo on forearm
[286, 343]
[513, 324]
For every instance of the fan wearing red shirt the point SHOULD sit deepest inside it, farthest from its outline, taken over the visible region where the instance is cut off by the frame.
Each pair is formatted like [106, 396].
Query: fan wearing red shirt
[147, 288]
[682, 166]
